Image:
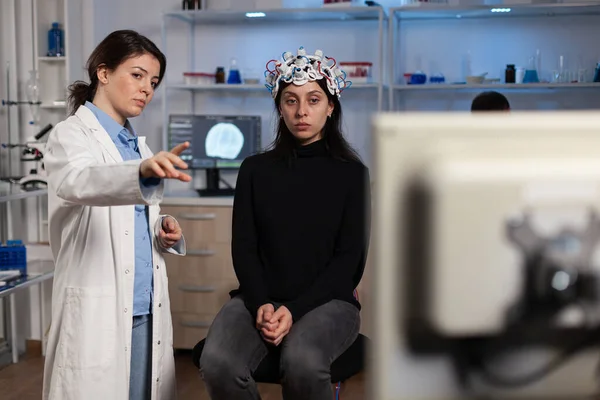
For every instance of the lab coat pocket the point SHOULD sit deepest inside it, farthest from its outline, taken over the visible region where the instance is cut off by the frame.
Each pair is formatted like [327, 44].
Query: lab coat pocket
[88, 337]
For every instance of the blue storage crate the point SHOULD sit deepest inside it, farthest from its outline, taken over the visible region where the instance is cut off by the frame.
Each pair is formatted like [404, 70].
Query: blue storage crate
[13, 255]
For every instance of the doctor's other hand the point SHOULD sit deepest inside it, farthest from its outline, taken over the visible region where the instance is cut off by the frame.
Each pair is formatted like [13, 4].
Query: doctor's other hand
[162, 164]
[170, 232]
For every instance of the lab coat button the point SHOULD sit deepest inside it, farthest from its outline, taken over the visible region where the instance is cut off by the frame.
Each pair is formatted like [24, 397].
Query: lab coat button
[125, 348]
[159, 342]
[157, 267]
[126, 271]
[160, 304]
[125, 310]
[126, 232]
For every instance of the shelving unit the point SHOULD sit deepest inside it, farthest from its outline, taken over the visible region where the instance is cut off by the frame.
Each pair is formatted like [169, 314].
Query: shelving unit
[244, 87]
[432, 11]
[429, 12]
[498, 86]
[275, 16]
[350, 13]
[11, 193]
[54, 74]
[57, 73]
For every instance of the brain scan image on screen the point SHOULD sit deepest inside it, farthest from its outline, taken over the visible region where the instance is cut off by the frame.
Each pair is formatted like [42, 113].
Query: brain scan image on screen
[224, 140]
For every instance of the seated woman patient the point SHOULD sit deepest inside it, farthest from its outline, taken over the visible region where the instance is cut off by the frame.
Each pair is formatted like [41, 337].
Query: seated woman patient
[301, 225]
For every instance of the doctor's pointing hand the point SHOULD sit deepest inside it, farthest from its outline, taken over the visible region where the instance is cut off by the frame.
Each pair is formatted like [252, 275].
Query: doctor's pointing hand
[162, 165]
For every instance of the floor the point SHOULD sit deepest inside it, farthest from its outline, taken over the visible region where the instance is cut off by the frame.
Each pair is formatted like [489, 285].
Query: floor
[23, 381]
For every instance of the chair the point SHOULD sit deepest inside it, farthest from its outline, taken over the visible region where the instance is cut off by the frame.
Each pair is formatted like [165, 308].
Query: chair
[350, 363]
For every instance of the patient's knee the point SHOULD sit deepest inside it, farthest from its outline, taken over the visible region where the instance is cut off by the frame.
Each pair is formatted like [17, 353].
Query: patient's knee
[221, 367]
[304, 364]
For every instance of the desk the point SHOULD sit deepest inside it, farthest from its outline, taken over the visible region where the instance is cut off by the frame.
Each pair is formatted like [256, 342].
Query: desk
[12, 191]
[43, 269]
[191, 198]
[20, 284]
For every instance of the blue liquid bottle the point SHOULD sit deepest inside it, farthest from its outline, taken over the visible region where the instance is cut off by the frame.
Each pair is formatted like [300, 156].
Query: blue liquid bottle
[234, 73]
[56, 41]
[531, 73]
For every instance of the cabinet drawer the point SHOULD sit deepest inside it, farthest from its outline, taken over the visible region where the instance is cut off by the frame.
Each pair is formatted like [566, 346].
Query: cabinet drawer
[207, 298]
[202, 224]
[189, 329]
[206, 263]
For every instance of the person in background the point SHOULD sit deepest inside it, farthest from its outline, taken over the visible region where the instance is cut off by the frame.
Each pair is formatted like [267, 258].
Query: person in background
[490, 101]
[299, 243]
[111, 333]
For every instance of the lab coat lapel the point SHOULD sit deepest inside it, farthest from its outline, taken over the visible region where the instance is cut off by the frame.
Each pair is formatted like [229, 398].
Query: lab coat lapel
[90, 120]
[143, 148]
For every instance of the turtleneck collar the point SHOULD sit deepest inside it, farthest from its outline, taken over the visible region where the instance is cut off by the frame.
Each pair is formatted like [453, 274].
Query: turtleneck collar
[314, 149]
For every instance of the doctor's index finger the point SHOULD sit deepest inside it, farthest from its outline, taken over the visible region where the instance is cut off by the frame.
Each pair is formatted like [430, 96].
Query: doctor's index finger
[177, 150]
[157, 169]
[175, 160]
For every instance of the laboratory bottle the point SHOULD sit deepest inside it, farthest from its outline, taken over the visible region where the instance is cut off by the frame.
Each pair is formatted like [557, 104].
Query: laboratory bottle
[56, 46]
[234, 73]
[509, 73]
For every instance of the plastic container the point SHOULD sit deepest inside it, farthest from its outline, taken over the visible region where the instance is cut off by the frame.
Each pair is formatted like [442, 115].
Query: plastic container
[198, 78]
[475, 79]
[418, 78]
[56, 41]
[13, 255]
[357, 71]
[437, 78]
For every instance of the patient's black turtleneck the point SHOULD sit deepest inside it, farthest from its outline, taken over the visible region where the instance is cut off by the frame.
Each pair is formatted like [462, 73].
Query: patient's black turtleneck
[300, 228]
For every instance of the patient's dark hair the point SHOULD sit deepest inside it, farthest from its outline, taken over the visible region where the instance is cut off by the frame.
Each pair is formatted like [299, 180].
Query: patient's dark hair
[116, 48]
[335, 142]
[490, 101]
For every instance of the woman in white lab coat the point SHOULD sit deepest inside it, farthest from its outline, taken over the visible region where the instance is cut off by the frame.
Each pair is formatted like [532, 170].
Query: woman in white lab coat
[111, 334]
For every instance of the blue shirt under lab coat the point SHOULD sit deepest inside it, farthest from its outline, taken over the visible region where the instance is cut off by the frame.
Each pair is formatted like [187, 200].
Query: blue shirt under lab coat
[127, 144]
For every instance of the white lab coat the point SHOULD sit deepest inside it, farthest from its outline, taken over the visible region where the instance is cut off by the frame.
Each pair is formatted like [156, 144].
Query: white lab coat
[91, 197]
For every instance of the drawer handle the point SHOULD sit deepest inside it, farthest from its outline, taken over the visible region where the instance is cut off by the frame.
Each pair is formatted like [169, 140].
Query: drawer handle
[198, 217]
[195, 324]
[196, 288]
[201, 252]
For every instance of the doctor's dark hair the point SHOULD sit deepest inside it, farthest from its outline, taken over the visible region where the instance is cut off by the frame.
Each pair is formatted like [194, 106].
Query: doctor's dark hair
[337, 146]
[116, 48]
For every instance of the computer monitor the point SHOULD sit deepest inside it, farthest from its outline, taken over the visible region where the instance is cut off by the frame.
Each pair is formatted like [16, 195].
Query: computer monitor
[476, 214]
[217, 142]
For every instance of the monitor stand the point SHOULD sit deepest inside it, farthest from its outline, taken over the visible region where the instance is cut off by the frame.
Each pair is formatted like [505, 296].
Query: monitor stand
[213, 178]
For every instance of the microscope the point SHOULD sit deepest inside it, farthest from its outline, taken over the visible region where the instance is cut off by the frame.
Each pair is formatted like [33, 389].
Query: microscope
[32, 150]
